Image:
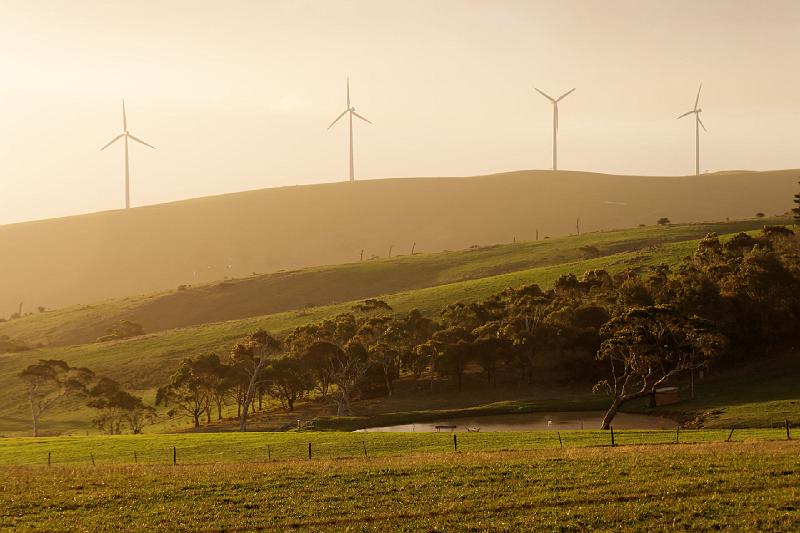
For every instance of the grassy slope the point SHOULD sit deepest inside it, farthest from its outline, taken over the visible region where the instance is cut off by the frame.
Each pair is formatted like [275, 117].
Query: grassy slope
[762, 394]
[144, 363]
[274, 293]
[93, 257]
[737, 486]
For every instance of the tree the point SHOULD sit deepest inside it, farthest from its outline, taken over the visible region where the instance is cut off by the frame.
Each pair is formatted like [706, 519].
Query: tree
[48, 382]
[288, 379]
[379, 336]
[646, 346]
[455, 349]
[337, 330]
[118, 407]
[663, 221]
[186, 391]
[427, 354]
[372, 305]
[215, 377]
[407, 332]
[760, 215]
[252, 358]
[524, 325]
[347, 365]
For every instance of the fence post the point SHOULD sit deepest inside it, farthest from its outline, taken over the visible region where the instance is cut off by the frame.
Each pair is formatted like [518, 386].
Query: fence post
[560, 444]
[48, 458]
[135, 459]
[269, 453]
[309, 450]
[455, 443]
[612, 436]
[174, 455]
[788, 436]
[730, 434]
[412, 445]
[677, 435]
[364, 443]
[92, 456]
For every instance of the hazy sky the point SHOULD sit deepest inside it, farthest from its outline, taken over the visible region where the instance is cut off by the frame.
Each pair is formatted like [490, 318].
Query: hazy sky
[238, 95]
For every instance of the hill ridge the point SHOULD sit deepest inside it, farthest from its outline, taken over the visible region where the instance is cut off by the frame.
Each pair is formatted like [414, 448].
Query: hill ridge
[109, 254]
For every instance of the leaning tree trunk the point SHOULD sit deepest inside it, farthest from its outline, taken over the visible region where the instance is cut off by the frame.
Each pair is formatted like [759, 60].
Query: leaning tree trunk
[612, 412]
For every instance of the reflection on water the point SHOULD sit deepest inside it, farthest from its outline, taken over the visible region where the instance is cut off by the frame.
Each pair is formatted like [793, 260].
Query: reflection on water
[534, 421]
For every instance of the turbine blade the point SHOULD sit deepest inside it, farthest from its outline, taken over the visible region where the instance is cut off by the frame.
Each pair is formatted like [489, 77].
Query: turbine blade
[141, 141]
[697, 100]
[545, 95]
[348, 92]
[555, 115]
[112, 141]
[687, 113]
[337, 118]
[701, 123]
[362, 118]
[565, 94]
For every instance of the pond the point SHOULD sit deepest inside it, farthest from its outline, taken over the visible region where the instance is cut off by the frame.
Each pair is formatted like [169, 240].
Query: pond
[533, 421]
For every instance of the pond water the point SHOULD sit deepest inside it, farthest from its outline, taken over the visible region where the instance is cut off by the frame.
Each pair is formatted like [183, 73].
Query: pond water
[534, 421]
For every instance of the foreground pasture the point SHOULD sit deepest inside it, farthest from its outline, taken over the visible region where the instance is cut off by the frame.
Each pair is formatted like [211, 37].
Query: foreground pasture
[738, 485]
[254, 447]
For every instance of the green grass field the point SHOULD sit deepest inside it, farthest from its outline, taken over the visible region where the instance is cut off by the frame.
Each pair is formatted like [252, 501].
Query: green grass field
[741, 486]
[201, 448]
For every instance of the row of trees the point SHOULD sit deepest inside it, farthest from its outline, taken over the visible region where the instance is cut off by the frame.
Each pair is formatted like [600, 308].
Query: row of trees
[51, 382]
[628, 333]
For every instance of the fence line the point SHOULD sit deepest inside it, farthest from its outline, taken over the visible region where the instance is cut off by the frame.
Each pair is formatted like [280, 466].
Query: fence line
[250, 447]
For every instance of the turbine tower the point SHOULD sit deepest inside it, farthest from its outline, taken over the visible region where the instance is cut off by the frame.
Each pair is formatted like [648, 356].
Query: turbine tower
[697, 124]
[555, 102]
[126, 135]
[352, 112]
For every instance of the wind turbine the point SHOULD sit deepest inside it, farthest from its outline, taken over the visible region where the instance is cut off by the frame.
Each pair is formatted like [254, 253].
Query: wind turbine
[697, 124]
[352, 112]
[555, 102]
[126, 135]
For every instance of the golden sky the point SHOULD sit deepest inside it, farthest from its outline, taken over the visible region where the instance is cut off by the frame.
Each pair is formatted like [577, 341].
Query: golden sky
[237, 95]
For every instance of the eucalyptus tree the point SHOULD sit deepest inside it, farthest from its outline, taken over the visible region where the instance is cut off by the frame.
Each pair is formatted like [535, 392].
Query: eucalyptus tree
[647, 346]
[251, 358]
[48, 382]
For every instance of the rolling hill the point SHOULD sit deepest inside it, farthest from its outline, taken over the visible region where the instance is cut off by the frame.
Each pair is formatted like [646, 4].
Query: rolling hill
[144, 362]
[318, 286]
[88, 258]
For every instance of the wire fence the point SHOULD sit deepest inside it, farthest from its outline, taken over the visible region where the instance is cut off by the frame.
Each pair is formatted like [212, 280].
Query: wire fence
[184, 449]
